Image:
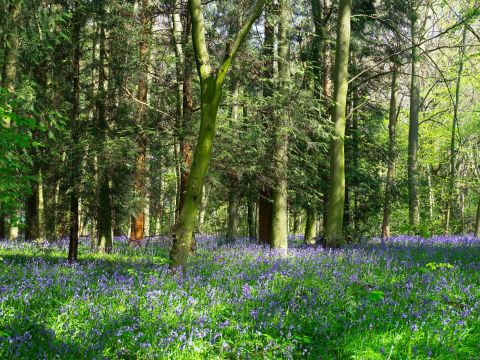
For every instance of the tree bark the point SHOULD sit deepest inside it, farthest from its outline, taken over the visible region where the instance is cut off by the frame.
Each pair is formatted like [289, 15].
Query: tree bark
[477, 222]
[9, 72]
[334, 222]
[138, 218]
[104, 210]
[233, 203]
[279, 234]
[413, 200]
[75, 156]
[392, 123]
[211, 85]
[251, 219]
[451, 180]
[310, 227]
[265, 205]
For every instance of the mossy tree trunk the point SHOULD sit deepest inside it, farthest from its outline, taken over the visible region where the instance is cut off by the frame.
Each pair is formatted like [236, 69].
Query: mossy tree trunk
[334, 223]
[211, 84]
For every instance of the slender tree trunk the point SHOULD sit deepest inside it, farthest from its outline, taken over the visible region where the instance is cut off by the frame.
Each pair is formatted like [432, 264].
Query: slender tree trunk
[413, 200]
[251, 219]
[334, 224]
[392, 123]
[279, 192]
[265, 216]
[9, 72]
[310, 227]
[31, 212]
[75, 155]
[431, 194]
[265, 205]
[477, 222]
[138, 218]
[211, 85]
[104, 210]
[451, 180]
[233, 203]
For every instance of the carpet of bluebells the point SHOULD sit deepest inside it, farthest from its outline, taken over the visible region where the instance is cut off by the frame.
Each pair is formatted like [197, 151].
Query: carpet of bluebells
[410, 298]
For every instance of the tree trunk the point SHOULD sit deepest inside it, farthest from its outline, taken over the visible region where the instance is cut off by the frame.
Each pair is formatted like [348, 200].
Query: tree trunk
[9, 72]
[451, 180]
[279, 192]
[31, 211]
[211, 85]
[310, 227]
[251, 219]
[138, 218]
[265, 194]
[413, 200]
[392, 123]
[75, 155]
[334, 223]
[104, 210]
[477, 222]
[232, 228]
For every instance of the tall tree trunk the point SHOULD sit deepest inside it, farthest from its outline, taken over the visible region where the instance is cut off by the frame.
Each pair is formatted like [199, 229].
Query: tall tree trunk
[310, 227]
[9, 72]
[75, 126]
[392, 123]
[104, 210]
[334, 223]
[265, 205]
[31, 211]
[451, 180]
[233, 203]
[477, 222]
[279, 192]
[413, 200]
[211, 85]
[138, 218]
[431, 194]
[251, 219]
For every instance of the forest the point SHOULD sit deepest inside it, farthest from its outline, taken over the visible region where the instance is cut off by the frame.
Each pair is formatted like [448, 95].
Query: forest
[250, 179]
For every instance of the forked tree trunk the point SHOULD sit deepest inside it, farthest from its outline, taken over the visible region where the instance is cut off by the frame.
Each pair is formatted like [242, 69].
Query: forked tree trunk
[334, 222]
[211, 85]
[392, 123]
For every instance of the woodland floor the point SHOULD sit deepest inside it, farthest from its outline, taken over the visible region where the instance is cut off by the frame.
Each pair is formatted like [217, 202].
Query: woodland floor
[411, 298]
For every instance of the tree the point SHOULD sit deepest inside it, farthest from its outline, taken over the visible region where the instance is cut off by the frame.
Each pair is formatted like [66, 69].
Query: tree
[334, 223]
[280, 157]
[391, 153]
[211, 85]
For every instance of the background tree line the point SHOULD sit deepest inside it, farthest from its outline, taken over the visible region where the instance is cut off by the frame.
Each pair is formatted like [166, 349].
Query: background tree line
[332, 119]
